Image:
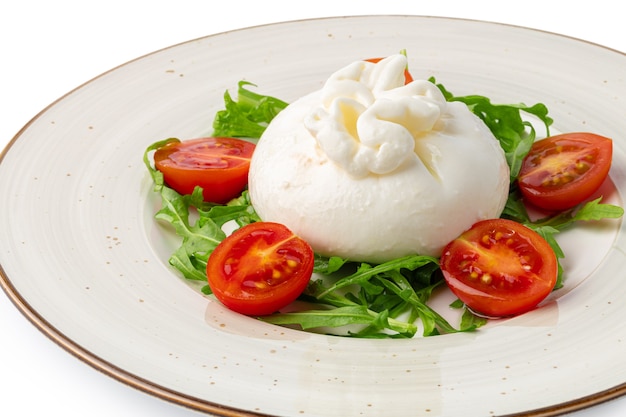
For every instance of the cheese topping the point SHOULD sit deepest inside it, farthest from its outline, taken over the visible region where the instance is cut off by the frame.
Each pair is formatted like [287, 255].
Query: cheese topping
[371, 169]
[368, 120]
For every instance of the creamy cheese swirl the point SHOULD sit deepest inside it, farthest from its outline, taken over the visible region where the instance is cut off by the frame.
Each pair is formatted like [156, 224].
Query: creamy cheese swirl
[369, 119]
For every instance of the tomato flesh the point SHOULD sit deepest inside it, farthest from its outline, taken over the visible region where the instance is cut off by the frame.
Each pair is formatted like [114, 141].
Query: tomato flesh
[407, 75]
[219, 165]
[260, 268]
[499, 268]
[562, 171]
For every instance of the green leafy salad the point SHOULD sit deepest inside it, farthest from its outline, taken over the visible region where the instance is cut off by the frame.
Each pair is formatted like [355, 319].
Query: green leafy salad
[387, 300]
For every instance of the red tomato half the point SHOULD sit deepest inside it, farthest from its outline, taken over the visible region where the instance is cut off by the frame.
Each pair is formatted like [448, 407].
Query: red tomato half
[562, 171]
[218, 165]
[260, 268]
[499, 268]
[407, 75]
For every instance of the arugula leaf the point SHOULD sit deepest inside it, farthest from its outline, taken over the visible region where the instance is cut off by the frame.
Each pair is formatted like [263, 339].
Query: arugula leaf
[366, 271]
[431, 320]
[470, 321]
[191, 266]
[199, 238]
[247, 117]
[238, 210]
[344, 316]
[327, 266]
[591, 211]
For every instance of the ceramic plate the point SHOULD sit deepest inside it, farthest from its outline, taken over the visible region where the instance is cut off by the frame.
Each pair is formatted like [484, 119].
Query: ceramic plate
[84, 260]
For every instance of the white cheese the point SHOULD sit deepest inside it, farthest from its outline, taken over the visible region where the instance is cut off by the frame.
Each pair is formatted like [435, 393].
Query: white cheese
[370, 169]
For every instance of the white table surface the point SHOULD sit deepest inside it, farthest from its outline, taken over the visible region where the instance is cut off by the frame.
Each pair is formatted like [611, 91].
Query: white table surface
[50, 47]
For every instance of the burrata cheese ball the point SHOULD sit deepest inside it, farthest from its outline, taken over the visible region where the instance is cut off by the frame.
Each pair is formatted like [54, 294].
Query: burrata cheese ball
[370, 169]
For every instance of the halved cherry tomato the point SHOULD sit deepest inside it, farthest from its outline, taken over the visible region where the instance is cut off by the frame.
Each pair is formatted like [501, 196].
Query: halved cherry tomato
[260, 268]
[499, 268]
[219, 165]
[562, 171]
[407, 75]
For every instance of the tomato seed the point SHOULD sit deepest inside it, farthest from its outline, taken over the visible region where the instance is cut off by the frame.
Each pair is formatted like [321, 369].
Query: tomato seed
[582, 167]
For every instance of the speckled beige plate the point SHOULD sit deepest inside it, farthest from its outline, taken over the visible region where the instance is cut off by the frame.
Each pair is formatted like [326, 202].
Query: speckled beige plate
[83, 259]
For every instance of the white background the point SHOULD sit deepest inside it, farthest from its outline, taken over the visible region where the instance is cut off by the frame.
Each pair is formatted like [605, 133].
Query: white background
[48, 48]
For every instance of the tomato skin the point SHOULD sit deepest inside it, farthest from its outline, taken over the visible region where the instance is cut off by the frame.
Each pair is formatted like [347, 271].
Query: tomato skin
[564, 170]
[219, 165]
[407, 75]
[499, 268]
[260, 268]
